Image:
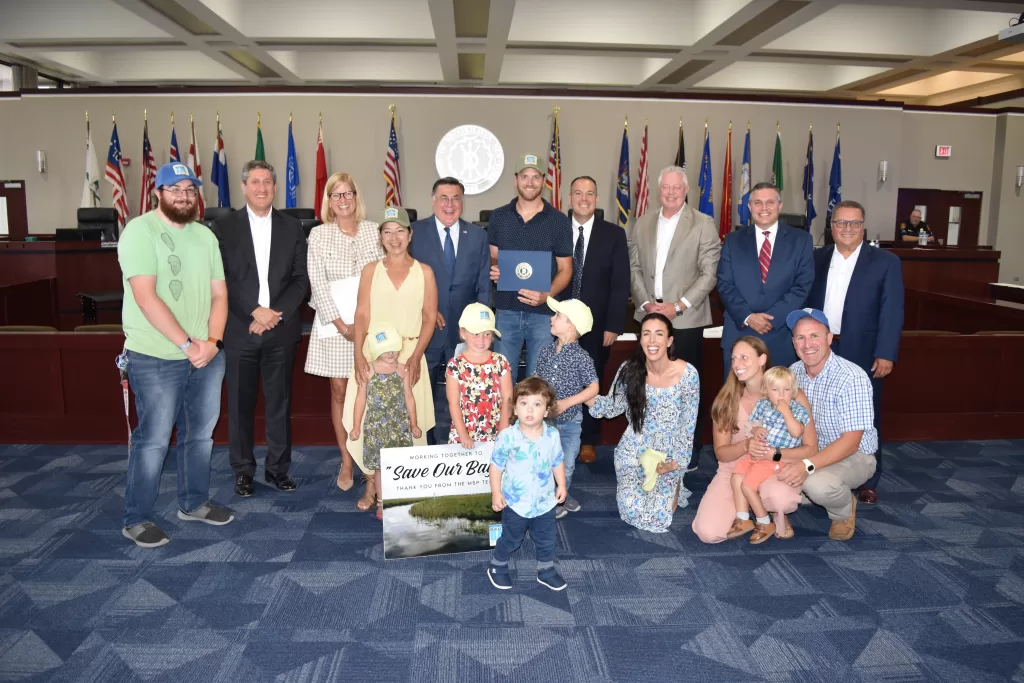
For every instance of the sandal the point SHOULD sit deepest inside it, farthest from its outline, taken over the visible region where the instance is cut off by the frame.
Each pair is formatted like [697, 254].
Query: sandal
[380, 510]
[368, 498]
[789, 533]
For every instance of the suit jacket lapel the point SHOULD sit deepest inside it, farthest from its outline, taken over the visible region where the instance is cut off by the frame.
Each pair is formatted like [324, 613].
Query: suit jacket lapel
[245, 239]
[460, 257]
[859, 272]
[683, 228]
[597, 239]
[778, 252]
[274, 265]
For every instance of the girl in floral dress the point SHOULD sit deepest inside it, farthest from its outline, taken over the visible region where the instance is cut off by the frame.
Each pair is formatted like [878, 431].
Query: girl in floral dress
[387, 402]
[659, 396]
[478, 382]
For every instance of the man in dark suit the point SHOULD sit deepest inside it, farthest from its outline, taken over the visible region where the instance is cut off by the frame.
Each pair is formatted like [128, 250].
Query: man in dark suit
[460, 256]
[264, 253]
[766, 271]
[860, 289]
[600, 279]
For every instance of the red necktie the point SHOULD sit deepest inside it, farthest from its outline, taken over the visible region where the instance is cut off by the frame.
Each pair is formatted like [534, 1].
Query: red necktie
[765, 257]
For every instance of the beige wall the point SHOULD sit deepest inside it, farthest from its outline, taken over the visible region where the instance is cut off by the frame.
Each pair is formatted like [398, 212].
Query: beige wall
[356, 127]
[1008, 208]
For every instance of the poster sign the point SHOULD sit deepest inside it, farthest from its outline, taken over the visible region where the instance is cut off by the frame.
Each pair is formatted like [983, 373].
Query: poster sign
[437, 500]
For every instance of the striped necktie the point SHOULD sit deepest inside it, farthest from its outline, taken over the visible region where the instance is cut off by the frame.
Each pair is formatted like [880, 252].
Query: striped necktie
[765, 257]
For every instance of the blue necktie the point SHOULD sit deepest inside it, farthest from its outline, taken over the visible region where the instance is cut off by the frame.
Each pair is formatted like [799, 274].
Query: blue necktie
[577, 266]
[449, 253]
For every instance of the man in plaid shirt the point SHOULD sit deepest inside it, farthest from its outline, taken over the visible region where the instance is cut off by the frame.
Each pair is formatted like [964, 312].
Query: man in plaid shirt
[840, 397]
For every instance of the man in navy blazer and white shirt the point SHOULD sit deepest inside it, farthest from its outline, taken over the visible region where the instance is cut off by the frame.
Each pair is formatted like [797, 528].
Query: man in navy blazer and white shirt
[459, 254]
[600, 279]
[860, 289]
[766, 271]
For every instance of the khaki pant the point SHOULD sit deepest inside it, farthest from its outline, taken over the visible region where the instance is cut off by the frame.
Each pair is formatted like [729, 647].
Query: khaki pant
[830, 487]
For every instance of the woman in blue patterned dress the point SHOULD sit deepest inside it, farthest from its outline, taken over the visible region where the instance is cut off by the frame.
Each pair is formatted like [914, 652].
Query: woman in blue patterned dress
[659, 395]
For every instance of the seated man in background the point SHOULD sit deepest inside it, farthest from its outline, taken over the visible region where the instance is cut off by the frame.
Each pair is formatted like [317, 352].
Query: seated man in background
[911, 232]
[175, 309]
[840, 397]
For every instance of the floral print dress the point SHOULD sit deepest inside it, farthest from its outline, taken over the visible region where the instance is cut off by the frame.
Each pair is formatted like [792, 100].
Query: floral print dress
[386, 422]
[479, 395]
[668, 427]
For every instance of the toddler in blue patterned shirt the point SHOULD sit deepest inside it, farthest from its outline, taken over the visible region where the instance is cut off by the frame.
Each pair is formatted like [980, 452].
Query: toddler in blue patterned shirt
[779, 420]
[527, 480]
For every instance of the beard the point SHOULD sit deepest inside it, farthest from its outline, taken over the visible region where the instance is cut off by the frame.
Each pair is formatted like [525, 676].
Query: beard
[529, 194]
[179, 214]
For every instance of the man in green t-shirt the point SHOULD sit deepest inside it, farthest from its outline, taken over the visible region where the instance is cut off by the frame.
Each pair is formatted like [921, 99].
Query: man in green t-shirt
[175, 308]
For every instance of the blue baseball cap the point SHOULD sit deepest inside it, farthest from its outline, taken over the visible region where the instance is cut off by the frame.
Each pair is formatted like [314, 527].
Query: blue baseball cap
[793, 318]
[173, 173]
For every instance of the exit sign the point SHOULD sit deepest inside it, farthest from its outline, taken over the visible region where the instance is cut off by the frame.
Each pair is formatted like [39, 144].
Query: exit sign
[943, 151]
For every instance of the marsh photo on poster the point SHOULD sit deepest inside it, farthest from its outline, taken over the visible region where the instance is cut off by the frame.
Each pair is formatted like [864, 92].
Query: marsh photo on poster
[437, 500]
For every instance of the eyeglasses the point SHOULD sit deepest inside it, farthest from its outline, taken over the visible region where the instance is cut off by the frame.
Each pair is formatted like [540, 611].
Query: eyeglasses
[342, 195]
[445, 199]
[178, 191]
[847, 224]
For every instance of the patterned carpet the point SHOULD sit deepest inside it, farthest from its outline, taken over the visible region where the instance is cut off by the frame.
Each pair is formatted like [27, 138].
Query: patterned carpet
[930, 589]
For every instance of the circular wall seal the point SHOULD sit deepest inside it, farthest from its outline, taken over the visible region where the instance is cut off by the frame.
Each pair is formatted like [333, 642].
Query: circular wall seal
[473, 155]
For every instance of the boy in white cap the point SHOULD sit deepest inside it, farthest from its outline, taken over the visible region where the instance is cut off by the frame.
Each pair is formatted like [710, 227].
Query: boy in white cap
[570, 371]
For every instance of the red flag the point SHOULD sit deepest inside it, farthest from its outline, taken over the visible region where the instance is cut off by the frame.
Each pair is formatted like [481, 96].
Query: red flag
[148, 172]
[193, 163]
[725, 220]
[641, 182]
[553, 178]
[321, 171]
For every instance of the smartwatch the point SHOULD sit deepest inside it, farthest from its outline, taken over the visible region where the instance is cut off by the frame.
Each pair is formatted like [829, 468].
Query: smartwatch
[778, 455]
[188, 343]
[809, 466]
[679, 309]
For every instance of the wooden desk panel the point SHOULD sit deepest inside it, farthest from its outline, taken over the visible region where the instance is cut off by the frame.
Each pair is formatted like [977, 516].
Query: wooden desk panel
[949, 270]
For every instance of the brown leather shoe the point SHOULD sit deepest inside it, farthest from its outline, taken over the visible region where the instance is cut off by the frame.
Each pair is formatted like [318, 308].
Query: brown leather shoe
[762, 532]
[868, 495]
[842, 529]
[587, 454]
[739, 528]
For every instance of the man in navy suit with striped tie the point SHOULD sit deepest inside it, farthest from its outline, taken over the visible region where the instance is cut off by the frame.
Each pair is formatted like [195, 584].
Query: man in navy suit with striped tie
[460, 256]
[765, 272]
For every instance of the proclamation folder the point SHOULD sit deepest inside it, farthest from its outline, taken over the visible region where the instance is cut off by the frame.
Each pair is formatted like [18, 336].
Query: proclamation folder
[524, 270]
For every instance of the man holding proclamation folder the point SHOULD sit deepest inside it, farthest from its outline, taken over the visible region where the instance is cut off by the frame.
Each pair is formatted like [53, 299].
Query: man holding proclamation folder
[531, 257]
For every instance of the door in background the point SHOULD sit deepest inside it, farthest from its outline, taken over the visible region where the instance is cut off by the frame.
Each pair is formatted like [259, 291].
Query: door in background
[953, 215]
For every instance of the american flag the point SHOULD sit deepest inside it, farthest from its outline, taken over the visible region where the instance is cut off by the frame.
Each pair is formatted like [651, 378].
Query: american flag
[115, 177]
[392, 173]
[148, 172]
[175, 154]
[641, 183]
[553, 179]
[197, 168]
[321, 172]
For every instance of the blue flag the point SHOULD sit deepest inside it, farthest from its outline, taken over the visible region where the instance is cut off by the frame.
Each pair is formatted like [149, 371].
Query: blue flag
[707, 203]
[292, 187]
[745, 183]
[810, 213]
[219, 171]
[835, 184]
[622, 191]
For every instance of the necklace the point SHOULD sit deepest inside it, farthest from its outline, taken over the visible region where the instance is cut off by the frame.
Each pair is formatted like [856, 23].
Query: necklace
[349, 233]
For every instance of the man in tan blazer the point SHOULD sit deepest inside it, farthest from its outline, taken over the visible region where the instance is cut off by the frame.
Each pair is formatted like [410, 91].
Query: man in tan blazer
[673, 258]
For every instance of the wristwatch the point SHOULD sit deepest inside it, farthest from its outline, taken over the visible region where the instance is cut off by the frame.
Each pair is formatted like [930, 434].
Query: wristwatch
[679, 309]
[188, 343]
[218, 342]
[809, 466]
[778, 455]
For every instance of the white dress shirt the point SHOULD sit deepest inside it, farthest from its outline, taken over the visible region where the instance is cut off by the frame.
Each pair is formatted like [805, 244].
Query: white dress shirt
[666, 231]
[454, 231]
[588, 229]
[840, 270]
[260, 228]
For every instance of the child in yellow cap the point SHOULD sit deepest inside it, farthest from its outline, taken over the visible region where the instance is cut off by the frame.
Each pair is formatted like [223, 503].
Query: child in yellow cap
[570, 370]
[478, 381]
[387, 402]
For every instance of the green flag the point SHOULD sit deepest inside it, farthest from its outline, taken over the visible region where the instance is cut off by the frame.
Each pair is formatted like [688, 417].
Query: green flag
[260, 156]
[777, 161]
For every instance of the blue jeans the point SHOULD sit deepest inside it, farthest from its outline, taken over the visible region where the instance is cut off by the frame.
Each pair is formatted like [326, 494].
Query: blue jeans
[513, 531]
[517, 328]
[169, 393]
[570, 432]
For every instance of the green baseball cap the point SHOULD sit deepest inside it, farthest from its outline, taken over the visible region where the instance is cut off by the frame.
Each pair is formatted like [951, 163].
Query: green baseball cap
[529, 161]
[395, 214]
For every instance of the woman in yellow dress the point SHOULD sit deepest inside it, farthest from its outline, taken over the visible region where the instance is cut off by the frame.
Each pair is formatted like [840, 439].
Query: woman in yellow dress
[398, 291]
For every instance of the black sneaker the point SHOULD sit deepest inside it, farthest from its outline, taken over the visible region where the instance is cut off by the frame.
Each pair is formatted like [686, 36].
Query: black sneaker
[499, 577]
[571, 504]
[560, 511]
[208, 513]
[146, 535]
[551, 578]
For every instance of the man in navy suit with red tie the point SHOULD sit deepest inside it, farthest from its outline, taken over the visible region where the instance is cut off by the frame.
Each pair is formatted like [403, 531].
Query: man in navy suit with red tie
[860, 289]
[766, 271]
[600, 279]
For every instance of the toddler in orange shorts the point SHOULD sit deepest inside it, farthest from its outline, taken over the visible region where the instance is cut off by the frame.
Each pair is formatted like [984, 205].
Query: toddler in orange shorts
[779, 420]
